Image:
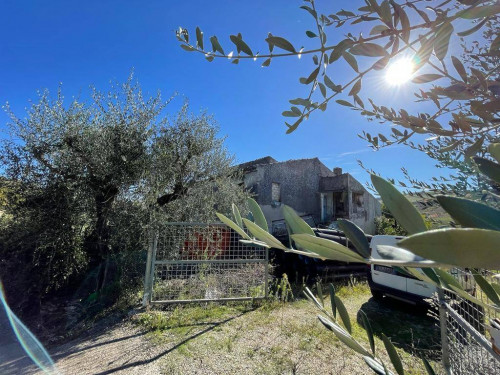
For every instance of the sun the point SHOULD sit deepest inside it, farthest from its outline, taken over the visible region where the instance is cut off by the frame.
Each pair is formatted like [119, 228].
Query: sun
[400, 71]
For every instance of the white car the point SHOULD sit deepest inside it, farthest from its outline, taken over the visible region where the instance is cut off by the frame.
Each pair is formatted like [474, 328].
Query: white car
[384, 280]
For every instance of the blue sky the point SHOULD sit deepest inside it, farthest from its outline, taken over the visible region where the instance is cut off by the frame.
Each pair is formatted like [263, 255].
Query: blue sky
[79, 43]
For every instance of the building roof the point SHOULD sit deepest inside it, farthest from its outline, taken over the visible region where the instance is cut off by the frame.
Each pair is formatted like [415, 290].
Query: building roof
[261, 161]
[251, 165]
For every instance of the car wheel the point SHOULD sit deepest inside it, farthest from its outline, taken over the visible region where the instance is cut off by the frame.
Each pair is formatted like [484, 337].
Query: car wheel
[377, 295]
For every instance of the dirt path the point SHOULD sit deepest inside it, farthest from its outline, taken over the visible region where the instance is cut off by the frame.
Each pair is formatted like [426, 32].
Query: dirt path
[219, 340]
[121, 349]
[13, 359]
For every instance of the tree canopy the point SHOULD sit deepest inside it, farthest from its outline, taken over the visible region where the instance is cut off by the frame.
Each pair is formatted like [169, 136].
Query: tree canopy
[83, 181]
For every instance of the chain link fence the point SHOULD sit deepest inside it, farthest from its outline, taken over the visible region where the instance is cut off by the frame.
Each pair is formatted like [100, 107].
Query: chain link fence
[465, 329]
[198, 262]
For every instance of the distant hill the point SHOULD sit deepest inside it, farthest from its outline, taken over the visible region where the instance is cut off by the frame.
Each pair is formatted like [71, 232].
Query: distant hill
[433, 212]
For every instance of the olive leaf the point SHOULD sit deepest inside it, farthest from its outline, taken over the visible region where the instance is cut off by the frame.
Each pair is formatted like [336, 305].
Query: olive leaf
[385, 13]
[479, 11]
[350, 60]
[257, 213]
[295, 223]
[312, 76]
[428, 367]
[263, 235]
[461, 247]
[494, 150]
[356, 235]
[379, 29]
[402, 210]
[447, 280]
[199, 38]
[216, 47]
[332, 301]
[495, 45]
[311, 11]
[470, 214]
[368, 49]
[281, 43]
[237, 215]
[332, 86]
[344, 336]
[322, 88]
[185, 47]
[310, 296]
[240, 44]
[473, 149]
[231, 224]
[369, 331]
[442, 40]
[320, 294]
[344, 315]
[381, 63]
[326, 248]
[489, 168]
[267, 62]
[376, 366]
[356, 88]
[423, 53]
[486, 288]
[459, 68]
[472, 30]
[424, 78]
[481, 78]
[405, 23]
[393, 355]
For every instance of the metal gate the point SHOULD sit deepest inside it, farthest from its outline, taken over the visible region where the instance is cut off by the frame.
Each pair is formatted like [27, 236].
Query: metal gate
[465, 338]
[202, 262]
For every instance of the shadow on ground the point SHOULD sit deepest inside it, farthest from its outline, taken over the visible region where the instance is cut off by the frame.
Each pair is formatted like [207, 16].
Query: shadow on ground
[211, 326]
[124, 349]
[411, 328]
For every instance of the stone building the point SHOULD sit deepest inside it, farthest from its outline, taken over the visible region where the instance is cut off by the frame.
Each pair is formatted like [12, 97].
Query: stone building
[310, 188]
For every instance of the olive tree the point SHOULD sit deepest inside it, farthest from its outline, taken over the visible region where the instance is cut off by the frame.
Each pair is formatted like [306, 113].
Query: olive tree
[82, 181]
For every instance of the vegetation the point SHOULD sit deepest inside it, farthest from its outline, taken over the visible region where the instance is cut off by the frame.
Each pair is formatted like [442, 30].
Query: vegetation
[83, 181]
[459, 103]
[386, 224]
[277, 337]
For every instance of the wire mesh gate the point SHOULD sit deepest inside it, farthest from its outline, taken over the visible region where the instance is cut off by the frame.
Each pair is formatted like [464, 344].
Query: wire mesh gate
[465, 337]
[202, 262]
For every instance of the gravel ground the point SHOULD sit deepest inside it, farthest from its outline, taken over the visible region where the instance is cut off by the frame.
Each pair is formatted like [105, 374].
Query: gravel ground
[119, 350]
[273, 339]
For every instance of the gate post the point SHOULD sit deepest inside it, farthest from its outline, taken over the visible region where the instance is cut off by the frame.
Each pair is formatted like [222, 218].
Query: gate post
[266, 270]
[443, 316]
[148, 277]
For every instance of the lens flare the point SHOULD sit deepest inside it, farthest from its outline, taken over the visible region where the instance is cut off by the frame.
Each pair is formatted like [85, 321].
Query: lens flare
[33, 348]
[399, 71]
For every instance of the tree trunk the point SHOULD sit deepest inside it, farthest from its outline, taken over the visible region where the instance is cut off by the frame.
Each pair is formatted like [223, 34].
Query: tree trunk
[98, 246]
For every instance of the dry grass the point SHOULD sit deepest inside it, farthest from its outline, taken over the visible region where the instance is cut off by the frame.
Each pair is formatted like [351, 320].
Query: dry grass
[282, 338]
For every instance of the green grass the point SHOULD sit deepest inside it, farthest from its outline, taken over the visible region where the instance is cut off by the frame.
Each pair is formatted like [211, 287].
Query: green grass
[182, 319]
[285, 337]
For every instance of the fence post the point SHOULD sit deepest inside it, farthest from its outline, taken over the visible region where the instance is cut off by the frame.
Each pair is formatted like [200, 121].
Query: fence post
[148, 275]
[266, 280]
[443, 316]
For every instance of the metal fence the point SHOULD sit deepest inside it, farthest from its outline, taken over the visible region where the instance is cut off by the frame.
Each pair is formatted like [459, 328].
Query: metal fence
[465, 337]
[199, 262]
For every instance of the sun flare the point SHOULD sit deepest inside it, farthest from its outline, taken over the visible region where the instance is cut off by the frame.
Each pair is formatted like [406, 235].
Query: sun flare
[399, 71]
